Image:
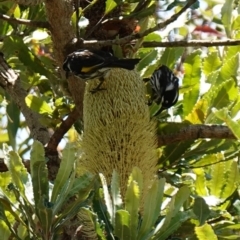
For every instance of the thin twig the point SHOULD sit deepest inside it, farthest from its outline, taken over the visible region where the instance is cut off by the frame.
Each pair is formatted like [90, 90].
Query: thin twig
[193, 43]
[39, 24]
[60, 132]
[139, 35]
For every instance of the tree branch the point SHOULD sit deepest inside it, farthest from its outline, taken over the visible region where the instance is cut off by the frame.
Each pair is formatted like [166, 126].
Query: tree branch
[11, 83]
[193, 43]
[38, 24]
[129, 38]
[60, 132]
[28, 2]
[193, 132]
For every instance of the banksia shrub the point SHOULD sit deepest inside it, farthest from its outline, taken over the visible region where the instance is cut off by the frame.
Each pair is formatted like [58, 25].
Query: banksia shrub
[118, 133]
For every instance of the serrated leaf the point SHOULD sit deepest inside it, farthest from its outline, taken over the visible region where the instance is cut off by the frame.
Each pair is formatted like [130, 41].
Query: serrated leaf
[40, 181]
[164, 223]
[68, 212]
[173, 153]
[147, 59]
[198, 114]
[39, 172]
[122, 226]
[174, 206]
[181, 196]
[226, 12]
[205, 232]
[27, 57]
[7, 222]
[175, 224]
[152, 207]
[137, 176]
[66, 167]
[217, 182]
[232, 180]
[191, 79]
[208, 159]
[17, 169]
[229, 69]
[201, 210]
[170, 56]
[132, 200]
[211, 63]
[45, 215]
[200, 183]
[236, 23]
[38, 105]
[233, 125]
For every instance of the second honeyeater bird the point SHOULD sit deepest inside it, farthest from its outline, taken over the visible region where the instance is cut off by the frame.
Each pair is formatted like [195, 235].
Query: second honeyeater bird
[165, 88]
[89, 64]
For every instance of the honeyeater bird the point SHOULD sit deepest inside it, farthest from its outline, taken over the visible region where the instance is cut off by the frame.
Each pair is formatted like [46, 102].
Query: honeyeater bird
[89, 64]
[165, 88]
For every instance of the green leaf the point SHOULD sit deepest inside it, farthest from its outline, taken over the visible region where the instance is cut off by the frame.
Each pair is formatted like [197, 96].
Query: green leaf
[173, 153]
[152, 207]
[201, 210]
[205, 232]
[174, 225]
[13, 122]
[66, 167]
[17, 169]
[208, 159]
[39, 173]
[227, 10]
[176, 203]
[229, 69]
[211, 63]
[68, 212]
[181, 197]
[122, 226]
[4, 230]
[217, 182]
[110, 5]
[107, 197]
[152, 37]
[233, 125]
[132, 200]
[63, 194]
[38, 105]
[170, 56]
[232, 180]
[200, 183]
[191, 79]
[115, 193]
[147, 59]
[45, 215]
[220, 96]
[7, 222]
[16, 46]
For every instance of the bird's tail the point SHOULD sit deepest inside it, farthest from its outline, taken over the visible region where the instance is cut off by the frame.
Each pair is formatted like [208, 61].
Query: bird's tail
[125, 63]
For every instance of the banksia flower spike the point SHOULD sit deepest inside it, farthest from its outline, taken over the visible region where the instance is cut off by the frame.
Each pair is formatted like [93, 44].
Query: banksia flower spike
[118, 133]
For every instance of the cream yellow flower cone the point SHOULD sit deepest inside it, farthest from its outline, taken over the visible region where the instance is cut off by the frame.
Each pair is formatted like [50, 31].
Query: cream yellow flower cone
[118, 133]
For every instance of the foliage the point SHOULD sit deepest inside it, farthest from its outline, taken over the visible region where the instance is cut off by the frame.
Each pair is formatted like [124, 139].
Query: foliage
[33, 208]
[197, 195]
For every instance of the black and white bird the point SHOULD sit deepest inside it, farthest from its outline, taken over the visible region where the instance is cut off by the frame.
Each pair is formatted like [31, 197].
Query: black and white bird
[165, 88]
[89, 64]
